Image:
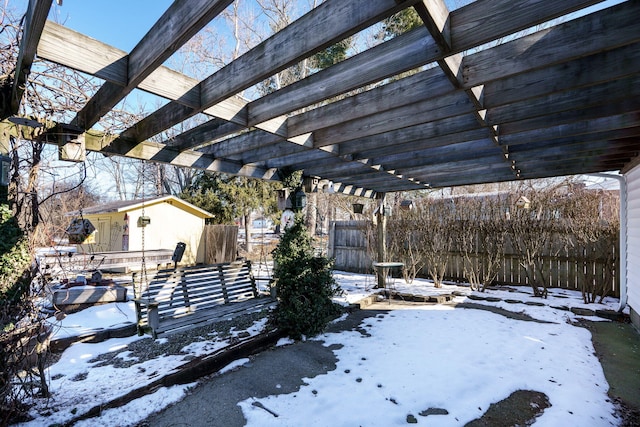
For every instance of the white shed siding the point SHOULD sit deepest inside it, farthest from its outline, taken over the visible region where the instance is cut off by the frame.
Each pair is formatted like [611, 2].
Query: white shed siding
[633, 240]
[169, 225]
[171, 222]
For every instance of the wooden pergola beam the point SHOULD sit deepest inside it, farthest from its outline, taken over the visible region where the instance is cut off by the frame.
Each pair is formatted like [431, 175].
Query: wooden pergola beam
[146, 150]
[34, 21]
[372, 67]
[328, 23]
[174, 28]
[69, 48]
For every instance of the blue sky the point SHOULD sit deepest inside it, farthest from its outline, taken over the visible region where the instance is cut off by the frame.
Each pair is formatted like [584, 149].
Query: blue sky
[118, 23]
[122, 23]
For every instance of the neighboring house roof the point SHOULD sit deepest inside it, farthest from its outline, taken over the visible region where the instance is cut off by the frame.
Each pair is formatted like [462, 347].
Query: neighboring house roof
[129, 205]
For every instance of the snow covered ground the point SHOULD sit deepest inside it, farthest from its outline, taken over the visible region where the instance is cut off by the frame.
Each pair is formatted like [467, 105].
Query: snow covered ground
[421, 357]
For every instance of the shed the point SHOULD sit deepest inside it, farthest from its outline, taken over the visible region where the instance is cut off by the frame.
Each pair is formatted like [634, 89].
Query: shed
[171, 220]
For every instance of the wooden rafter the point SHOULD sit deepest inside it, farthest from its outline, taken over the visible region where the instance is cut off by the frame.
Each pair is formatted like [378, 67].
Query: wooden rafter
[483, 102]
[34, 21]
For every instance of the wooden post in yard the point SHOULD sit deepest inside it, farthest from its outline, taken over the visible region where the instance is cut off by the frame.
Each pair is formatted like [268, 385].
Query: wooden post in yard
[382, 236]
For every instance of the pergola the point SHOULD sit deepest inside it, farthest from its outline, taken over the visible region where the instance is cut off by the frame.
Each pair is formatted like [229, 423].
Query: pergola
[489, 103]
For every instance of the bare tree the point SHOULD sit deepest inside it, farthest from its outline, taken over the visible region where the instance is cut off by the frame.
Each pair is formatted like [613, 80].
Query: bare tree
[534, 227]
[481, 233]
[593, 225]
[56, 95]
[436, 231]
[406, 242]
[58, 200]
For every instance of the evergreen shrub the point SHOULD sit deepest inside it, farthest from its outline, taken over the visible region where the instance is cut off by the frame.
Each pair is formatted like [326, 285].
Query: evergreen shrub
[305, 285]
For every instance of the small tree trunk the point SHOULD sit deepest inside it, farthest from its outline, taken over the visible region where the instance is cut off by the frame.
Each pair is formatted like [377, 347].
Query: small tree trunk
[247, 232]
[312, 212]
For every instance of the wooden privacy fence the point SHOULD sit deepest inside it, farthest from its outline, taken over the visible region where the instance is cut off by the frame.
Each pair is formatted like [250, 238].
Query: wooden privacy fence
[221, 243]
[565, 269]
[348, 246]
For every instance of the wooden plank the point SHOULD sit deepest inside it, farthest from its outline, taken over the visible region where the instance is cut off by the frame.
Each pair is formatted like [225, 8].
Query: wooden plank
[248, 141]
[193, 320]
[71, 49]
[220, 243]
[330, 22]
[34, 21]
[575, 151]
[595, 140]
[432, 156]
[430, 143]
[560, 43]
[547, 106]
[331, 169]
[482, 21]
[594, 69]
[397, 160]
[539, 123]
[160, 153]
[304, 37]
[421, 132]
[400, 54]
[317, 138]
[469, 178]
[285, 158]
[203, 134]
[79, 52]
[275, 153]
[174, 28]
[342, 147]
[450, 105]
[615, 122]
[89, 295]
[310, 91]
[408, 90]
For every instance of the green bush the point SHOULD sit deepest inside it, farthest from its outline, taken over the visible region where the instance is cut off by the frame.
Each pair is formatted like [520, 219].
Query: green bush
[14, 258]
[15, 308]
[305, 285]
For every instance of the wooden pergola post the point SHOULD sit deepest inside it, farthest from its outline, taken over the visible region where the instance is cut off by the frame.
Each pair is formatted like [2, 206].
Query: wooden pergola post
[382, 236]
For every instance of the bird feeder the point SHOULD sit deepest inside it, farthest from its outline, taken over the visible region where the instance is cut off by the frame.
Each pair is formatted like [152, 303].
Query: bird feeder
[143, 221]
[523, 203]
[81, 231]
[284, 201]
[299, 199]
[5, 161]
[406, 205]
[71, 144]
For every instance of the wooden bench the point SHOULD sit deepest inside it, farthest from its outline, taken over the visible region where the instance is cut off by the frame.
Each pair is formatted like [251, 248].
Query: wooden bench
[73, 263]
[186, 297]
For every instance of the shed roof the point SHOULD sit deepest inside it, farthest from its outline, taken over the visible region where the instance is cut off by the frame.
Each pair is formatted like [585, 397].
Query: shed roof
[130, 205]
[505, 90]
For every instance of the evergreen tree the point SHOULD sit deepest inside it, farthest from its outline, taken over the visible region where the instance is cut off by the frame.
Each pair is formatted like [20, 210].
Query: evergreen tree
[305, 285]
[403, 21]
[230, 197]
[206, 193]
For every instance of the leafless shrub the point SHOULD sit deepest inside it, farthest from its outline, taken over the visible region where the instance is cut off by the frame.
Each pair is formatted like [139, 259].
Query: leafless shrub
[406, 236]
[435, 227]
[481, 233]
[592, 219]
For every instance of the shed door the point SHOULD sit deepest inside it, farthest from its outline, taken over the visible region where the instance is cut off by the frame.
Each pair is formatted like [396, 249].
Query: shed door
[103, 236]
